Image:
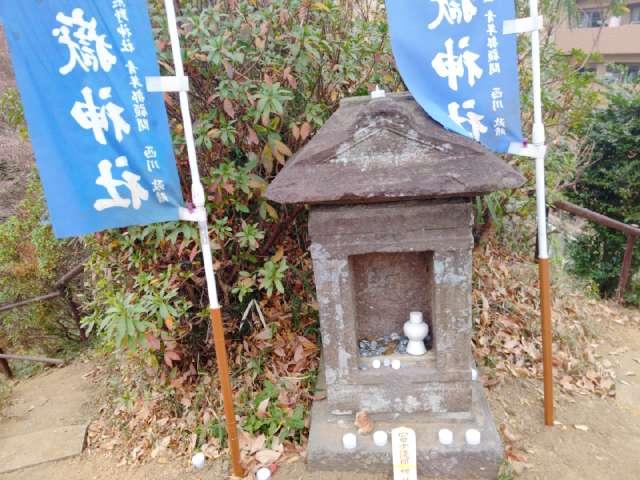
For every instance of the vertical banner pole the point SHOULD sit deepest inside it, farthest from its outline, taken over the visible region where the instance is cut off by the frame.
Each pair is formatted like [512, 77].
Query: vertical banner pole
[198, 197]
[538, 141]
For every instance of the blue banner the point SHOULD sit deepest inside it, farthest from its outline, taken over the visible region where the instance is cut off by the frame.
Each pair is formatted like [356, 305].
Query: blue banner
[101, 141]
[459, 66]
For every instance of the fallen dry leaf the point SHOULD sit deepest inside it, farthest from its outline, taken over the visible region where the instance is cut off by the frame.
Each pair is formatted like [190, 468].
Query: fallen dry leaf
[363, 422]
[261, 412]
[250, 443]
[507, 434]
[583, 428]
[267, 456]
[211, 451]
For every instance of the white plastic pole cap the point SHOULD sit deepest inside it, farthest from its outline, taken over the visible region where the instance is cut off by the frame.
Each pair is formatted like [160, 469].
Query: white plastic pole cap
[198, 460]
[472, 436]
[380, 438]
[349, 441]
[263, 474]
[445, 436]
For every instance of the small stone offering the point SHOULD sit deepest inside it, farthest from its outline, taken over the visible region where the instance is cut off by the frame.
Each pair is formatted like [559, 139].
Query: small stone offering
[472, 436]
[386, 345]
[380, 438]
[263, 474]
[349, 441]
[198, 461]
[445, 436]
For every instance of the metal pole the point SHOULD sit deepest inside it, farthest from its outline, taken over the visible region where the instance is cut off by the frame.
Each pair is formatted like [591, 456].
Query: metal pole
[543, 250]
[198, 198]
[29, 358]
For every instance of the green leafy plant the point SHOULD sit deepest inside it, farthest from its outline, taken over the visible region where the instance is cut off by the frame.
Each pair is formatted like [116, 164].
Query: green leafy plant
[610, 185]
[272, 276]
[11, 112]
[271, 419]
[249, 236]
[263, 78]
[31, 261]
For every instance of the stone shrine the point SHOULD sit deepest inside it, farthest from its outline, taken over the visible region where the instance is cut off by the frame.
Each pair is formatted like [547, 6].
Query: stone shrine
[391, 229]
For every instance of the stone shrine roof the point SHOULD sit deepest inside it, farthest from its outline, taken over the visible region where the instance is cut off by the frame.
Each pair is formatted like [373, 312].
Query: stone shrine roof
[387, 149]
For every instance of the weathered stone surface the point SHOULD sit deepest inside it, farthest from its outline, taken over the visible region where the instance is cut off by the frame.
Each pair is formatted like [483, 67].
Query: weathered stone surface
[404, 278]
[381, 150]
[390, 225]
[373, 264]
[395, 393]
[456, 461]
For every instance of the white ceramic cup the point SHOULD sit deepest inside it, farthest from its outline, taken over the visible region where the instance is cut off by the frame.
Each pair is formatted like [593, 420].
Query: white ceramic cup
[263, 474]
[198, 460]
[445, 436]
[380, 438]
[349, 441]
[472, 436]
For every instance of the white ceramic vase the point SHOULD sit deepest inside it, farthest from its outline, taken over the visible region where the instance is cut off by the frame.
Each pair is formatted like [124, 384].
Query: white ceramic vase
[416, 330]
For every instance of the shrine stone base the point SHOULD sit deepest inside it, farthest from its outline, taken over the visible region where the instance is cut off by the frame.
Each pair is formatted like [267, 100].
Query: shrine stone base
[435, 461]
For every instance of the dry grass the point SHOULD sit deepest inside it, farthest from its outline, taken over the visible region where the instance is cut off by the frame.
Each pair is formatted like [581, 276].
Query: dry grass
[506, 317]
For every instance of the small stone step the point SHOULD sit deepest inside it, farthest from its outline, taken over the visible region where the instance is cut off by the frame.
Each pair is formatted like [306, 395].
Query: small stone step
[34, 448]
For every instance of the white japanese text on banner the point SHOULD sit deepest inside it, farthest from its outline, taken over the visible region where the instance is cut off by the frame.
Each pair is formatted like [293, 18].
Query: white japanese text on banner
[101, 141]
[459, 66]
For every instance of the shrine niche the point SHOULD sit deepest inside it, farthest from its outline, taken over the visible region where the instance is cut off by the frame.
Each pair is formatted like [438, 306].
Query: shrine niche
[391, 230]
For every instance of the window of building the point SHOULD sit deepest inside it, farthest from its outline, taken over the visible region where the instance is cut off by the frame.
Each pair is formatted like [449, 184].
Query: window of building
[633, 70]
[634, 13]
[622, 72]
[588, 69]
[589, 18]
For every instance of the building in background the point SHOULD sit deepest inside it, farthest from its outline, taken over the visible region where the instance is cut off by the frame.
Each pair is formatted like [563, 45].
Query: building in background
[595, 29]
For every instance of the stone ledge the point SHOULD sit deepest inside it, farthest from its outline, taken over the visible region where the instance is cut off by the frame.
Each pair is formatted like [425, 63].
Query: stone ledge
[34, 448]
[458, 461]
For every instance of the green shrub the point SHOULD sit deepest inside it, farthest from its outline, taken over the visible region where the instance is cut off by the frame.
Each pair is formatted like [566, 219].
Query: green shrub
[11, 113]
[263, 78]
[31, 260]
[569, 96]
[610, 185]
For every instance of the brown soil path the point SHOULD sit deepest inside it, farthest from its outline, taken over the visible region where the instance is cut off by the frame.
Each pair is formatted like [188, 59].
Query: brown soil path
[57, 397]
[606, 442]
[47, 418]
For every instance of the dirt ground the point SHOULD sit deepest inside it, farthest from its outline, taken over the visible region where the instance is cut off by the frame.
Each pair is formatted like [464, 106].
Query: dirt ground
[595, 438]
